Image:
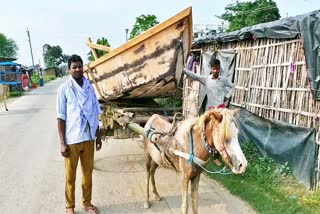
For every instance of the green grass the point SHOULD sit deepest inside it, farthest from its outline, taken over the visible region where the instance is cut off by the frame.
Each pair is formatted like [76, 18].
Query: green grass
[15, 93]
[269, 187]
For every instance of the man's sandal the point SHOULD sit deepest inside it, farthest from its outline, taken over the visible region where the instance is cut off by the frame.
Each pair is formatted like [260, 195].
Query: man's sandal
[91, 209]
[70, 211]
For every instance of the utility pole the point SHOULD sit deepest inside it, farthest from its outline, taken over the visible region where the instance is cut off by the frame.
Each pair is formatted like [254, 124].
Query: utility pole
[44, 64]
[31, 52]
[28, 33]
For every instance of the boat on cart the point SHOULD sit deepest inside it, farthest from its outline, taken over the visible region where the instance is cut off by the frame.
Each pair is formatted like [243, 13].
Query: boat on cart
[147, 66]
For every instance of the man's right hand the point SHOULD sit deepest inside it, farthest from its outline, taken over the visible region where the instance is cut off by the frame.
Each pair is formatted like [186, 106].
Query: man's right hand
[64, 150]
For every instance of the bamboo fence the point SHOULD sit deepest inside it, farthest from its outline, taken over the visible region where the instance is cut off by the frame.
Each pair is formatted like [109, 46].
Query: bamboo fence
[190, 104]
[190, 98]
[271, 81]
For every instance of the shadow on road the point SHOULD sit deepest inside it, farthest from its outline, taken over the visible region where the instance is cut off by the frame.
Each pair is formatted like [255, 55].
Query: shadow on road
[130, 163]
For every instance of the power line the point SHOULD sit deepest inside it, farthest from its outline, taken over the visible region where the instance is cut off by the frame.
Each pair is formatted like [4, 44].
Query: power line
[256, 10]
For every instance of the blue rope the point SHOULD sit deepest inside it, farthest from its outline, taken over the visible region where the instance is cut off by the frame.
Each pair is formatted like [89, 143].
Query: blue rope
[221, 171]
[190, 161]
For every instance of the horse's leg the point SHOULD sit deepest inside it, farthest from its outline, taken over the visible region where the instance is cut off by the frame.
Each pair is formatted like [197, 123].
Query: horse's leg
[154, 166]
[4, 101]
[184, 191]
[148, 167]
[194, 193]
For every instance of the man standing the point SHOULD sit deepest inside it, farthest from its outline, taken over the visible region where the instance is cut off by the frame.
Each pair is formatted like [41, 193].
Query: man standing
[219, 88]
[78, 126]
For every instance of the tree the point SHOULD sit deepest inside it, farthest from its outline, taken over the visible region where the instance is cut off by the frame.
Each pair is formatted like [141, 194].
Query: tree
[8, 47]
[100, 53]
[143, 23]
[53, 55]
[243, 14]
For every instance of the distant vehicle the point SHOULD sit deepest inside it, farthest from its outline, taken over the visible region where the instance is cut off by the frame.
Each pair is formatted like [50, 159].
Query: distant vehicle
[11, 74]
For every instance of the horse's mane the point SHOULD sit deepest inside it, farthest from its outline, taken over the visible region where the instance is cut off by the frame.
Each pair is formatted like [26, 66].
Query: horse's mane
[209, 117]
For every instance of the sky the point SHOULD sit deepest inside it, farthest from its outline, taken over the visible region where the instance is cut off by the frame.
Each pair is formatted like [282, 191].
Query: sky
[68, 23]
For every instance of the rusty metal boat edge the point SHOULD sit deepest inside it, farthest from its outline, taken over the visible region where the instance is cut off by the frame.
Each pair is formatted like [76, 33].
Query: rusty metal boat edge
[147, 66]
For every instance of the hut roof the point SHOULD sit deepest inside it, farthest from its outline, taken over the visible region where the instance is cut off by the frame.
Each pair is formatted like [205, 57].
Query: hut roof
[286, 28]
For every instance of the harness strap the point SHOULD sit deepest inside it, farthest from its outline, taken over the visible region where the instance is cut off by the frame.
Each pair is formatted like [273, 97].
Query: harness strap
[187, 156]
[149, 132]
[157, 147]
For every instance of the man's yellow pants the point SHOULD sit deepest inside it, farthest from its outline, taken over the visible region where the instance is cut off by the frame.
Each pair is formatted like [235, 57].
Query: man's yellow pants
[84, 151]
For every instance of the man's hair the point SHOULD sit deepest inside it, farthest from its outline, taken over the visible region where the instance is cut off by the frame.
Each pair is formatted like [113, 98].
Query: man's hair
[214, 62]
[74, 58]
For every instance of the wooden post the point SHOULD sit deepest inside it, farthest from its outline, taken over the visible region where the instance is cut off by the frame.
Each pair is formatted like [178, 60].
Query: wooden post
[93, 51]
[136, 128]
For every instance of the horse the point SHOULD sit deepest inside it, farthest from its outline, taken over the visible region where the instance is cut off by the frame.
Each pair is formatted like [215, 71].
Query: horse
[4, 91]
[215, 132]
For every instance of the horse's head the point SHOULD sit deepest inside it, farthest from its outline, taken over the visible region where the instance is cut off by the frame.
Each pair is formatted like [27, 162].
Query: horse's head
[220, 129]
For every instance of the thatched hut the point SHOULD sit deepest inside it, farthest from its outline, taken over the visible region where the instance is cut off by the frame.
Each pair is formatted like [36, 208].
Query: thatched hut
[276, 70]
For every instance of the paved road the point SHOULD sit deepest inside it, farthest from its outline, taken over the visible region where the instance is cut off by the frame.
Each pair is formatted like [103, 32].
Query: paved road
[32, 170]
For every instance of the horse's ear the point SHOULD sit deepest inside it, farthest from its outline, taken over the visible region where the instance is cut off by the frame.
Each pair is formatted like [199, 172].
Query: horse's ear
[218, 116]
[235, 112]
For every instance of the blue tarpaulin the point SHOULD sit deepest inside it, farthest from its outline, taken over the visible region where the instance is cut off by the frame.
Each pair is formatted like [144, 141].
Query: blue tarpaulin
[283, 142]
[8, 63]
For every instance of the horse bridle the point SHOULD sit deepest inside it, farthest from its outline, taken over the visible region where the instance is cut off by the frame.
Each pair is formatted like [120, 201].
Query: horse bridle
[213, 151]
[209, 149]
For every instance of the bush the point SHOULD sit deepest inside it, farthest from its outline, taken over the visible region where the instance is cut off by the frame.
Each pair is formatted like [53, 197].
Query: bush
[169, 102]
[15, 93]
[35, 79]
[48, 78]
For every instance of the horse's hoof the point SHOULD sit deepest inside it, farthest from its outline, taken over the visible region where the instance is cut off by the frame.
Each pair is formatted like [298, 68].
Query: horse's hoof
[157, 198]
[146, 205]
